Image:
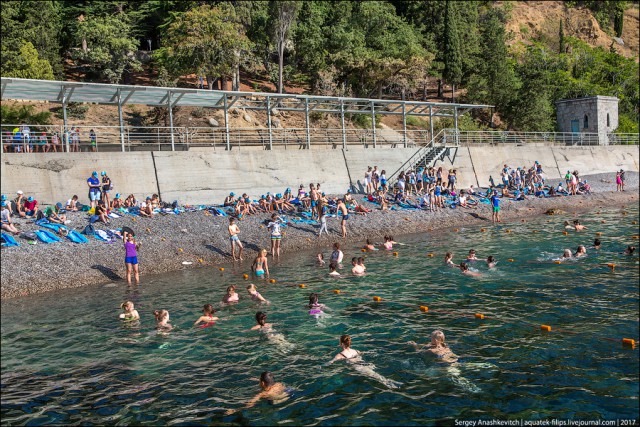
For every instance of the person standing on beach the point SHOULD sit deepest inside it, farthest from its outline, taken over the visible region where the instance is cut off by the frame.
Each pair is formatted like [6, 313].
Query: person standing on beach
[495, 207]
[345, 216]
[276, 235]
[131, 257]
[94, 189]
[234, 239]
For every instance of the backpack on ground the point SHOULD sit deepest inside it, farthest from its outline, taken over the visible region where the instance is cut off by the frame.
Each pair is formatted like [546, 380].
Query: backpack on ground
[89, 230]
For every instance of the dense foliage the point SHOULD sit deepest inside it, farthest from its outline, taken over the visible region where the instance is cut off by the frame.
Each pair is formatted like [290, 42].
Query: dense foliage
[391, 48]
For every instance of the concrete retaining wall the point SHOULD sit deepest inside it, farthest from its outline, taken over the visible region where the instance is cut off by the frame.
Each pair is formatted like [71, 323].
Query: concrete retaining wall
[208, 176]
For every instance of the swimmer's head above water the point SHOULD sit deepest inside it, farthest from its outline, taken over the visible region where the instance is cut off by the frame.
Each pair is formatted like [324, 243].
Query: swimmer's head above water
[261, 318]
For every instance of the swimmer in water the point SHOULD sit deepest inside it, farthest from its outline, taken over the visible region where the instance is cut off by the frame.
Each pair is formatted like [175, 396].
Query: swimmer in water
[354, 358]
[448, 260]
[231, 295]
[596, 244]
[130, 313]
[491, 262]
[260, 265]
[162, 320]
[336, 255]
[267, 328]
[255, 295]
[580, 251]
[320, 259]
[332, 270]
[567, 254]
[578, 226]
[388, 243]
[271, 390]
[357, 269]
[465, 270]
[629, 251]
[315, 308]
[361, 264]
[472, 256]
[437, 348]
[261, 320]
[369, 246]
[207, 318]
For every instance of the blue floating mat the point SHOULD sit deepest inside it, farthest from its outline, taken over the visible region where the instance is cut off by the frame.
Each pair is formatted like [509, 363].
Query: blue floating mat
[52, 226]
[47, 236]
[9, 240]
[76, 237]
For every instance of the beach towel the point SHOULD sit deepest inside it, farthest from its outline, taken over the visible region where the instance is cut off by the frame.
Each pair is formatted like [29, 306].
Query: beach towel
[46, 236]
[76, 237]
[53, 226]
[101, 235]
[9, 240]
[113, 215]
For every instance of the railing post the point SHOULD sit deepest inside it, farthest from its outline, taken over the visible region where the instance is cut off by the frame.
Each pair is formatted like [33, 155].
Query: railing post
[306, 120]
[226, 122]
[404, 124]
[431, 123]
[373, 123]
[119, 121]
[173, 148]
[344, 132]
[269, 122]
[455, 118]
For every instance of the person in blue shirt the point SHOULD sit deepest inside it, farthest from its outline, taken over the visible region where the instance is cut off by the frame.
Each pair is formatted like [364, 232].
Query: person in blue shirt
[94, 189]
[495, 205]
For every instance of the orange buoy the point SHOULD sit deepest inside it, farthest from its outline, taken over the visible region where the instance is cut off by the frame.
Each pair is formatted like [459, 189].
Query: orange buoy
[221, 268]
[200, 260]
[507, 231]
[272, 280]
[483, 230]
[180, 250]
[245, 276]
[628, 342]
[634, 222]
[479, 316]
[377, 299]
[558, 262]
[336, 291]
[611, 265]
[430, 255]
[510, 260]
[456, 230]
[546, 328]
[363, 250]
[534, 231]
[395, 254]
[424, 308]
[302, 285]
[598, 233]
[133, 219]
[565, 233]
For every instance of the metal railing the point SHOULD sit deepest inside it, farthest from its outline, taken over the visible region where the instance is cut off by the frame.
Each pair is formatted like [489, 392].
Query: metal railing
[22, 138]
[469, 138]
[438, 141]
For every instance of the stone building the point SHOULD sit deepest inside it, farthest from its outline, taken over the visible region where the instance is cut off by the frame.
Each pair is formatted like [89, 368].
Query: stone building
[590, 115]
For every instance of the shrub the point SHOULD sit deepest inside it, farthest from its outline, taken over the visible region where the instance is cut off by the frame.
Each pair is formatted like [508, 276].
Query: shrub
[24, 114]
[75, 110]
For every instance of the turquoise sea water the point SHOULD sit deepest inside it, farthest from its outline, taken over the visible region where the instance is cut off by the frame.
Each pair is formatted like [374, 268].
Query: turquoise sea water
[66, 359]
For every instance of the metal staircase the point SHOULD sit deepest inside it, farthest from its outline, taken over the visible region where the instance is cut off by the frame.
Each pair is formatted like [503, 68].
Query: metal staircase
[427, 155]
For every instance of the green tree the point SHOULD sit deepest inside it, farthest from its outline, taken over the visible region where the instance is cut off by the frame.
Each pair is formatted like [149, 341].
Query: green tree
[39, 23]
[110, 48]
[452, 55]
[25, 64]
[205, 41]
[495, 81]
[282, 14]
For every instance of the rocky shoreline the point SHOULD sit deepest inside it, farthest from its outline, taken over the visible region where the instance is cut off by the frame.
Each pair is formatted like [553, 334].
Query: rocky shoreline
[202, 239]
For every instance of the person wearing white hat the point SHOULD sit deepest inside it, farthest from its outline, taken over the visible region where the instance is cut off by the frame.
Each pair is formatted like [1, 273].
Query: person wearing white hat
[19, 204]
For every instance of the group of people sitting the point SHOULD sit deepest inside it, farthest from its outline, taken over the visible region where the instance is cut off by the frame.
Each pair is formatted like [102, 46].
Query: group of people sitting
[27, 207]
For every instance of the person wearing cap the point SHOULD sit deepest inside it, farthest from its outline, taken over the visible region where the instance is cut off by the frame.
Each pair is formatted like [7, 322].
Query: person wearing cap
[55, 216]
[94, 189]
[146, 208]
[106, 187]
[5, 215]
[9, 208]
[31, 206]
[230, 200]
[116, 203]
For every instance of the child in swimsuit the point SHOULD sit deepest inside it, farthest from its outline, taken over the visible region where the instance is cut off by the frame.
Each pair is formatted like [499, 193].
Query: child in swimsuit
[491, 262]
[255, 295]
[231, 295]
[260, 264]
[271, 390]
[130, 314]
[388, 244]
[347, 352]
[472, 256]
[448, 260]
[315, 308]
[162, 320]
[369, 246]
[207, 318]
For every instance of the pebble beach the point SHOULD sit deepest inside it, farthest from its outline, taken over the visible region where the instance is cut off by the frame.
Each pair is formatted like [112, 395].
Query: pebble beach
[201, 240]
